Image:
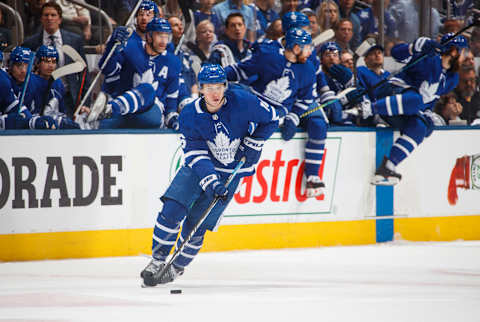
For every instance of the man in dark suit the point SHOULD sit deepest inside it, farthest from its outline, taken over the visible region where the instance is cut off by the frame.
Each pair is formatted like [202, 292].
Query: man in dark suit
[52, 35]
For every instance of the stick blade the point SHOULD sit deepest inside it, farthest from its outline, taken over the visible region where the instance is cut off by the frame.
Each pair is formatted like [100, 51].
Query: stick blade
[73, 54]
[72, 68]
[365, 46]
[323, 37]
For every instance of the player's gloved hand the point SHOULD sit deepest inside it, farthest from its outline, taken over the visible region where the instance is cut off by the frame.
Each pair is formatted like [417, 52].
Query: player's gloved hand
[340, 73]
[251, 149]
[42, 123]
[120, 35]
[217, 189]
[351, 96]
[425, 46]
[66, 123]
[172, 121]
[289, 127]
[13, 121]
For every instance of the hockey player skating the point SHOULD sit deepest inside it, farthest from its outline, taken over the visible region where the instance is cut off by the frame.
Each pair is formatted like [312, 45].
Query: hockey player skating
[217, 132]
[413, 93]
[146, 82]
[286, 79]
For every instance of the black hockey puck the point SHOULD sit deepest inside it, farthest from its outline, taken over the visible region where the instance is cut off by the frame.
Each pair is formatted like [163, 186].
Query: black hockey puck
[175, 291]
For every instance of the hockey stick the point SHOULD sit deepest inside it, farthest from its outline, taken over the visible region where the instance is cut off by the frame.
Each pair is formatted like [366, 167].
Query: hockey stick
[323, 37]
[404, 68]
[27, 80]
[180, 42]
[72, 68]
[110, 54]
[200, 221]
[77, 104]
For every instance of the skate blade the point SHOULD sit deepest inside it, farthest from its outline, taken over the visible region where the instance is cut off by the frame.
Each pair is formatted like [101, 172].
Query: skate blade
[311, 193]
[382, 181]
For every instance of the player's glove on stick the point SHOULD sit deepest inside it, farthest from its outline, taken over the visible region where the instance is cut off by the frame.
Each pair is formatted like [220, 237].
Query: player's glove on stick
[351, 96]
[289, 127]
[340, 73]
[216, 189]
[120, 35]
[251, 149]
[426, 46]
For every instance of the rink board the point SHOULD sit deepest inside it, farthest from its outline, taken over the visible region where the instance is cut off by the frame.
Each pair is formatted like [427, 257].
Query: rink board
[96, 194]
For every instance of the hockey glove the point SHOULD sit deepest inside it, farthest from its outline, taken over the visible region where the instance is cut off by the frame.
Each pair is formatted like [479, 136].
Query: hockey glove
[341, 73]
[459, 178]
[425, 46]
[216, 189]
[120, 35]
[289, 127]
[251, 149]
[65, 123]
[172, 121]
[351, 96]
[42, 123]
[14, 121]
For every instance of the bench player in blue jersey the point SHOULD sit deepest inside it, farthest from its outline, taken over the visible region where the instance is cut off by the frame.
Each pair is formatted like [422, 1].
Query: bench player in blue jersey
[218, 129]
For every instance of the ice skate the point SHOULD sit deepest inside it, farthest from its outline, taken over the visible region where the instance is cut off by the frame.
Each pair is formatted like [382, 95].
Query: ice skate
[363, 109]
[100, 109]
[384, 176]
[151, 273]
[315, 186]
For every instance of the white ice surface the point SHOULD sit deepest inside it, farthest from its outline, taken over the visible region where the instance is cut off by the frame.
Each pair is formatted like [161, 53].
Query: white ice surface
[393, 282]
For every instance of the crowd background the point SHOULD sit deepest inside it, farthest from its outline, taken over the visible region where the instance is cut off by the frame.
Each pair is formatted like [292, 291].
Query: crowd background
[198, 25]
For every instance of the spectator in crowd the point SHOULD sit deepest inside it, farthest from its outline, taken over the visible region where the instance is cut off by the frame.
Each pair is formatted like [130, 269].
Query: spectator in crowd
[205, 13]
[265, 15]
[369, 20]
[33, 12]
[118, 11]
[5, 34]
[76, 19]
[447, 111]
[200, 49]
[475, 42]
[173, 8]
[177, 30]
[460, 8]
[288, 6]
[227, 7]
[469, 60]
[232, 46]
[328, 15]
[346, 59]
[468, 95]
[314, 27]
[346, 12]
[274, 31]
[344, 34]
[406, 15]
[52, 35]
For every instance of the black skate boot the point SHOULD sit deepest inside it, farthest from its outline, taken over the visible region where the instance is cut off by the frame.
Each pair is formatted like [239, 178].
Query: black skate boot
[384, 176]
[315, 186]
[151, 273]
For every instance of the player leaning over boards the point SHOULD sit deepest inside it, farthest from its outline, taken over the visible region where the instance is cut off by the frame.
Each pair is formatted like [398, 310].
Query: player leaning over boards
[217, 132]
[411, 95]
[285, 77]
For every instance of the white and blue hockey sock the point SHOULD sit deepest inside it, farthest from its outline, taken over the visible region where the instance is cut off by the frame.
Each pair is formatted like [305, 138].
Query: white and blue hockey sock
[408, 103]
[190, 250]
[412, 135]
[314, 150]
[133, 101]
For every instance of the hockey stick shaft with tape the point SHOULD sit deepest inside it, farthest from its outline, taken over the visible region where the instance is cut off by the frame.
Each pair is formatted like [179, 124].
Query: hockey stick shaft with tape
[27, 80]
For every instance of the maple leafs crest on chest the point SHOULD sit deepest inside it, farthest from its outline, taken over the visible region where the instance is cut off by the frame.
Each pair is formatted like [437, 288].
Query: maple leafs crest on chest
[279, 89]
[223, 148]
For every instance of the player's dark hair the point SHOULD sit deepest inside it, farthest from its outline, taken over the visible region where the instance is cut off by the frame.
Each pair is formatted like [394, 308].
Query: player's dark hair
[54, 5]
[233, 15]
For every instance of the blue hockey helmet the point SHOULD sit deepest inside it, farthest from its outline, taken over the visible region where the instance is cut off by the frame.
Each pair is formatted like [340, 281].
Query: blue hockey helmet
[459, 42]
[159, 24]
[297, 36]
[294, 19]
[330, 46]
[20, 55]
[212, 74]
[46, 52]
[148, 5]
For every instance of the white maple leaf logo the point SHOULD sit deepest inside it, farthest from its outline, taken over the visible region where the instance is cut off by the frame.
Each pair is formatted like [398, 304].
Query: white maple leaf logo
[278, 90]
[222, 149]
[428, 91]
[146, 77]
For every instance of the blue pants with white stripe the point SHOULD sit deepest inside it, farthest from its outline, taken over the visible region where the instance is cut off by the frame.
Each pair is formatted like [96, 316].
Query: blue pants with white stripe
[404, 112]
[135, 108]
[184, 202]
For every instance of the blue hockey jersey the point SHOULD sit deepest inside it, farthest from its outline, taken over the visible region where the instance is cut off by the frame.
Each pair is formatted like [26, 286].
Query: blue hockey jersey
[367, 79]
[212, 139]
[288, 87]
[45, 98]
[8, 100]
